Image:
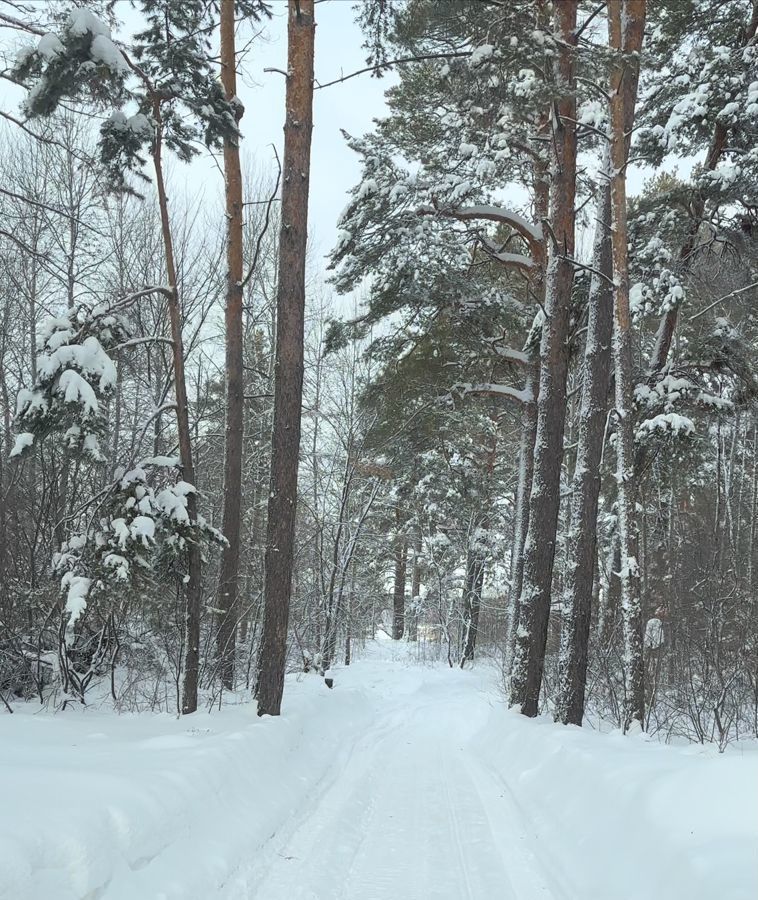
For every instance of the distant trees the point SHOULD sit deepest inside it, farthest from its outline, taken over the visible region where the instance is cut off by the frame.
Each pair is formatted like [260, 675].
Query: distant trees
[173, 41]
[170, 61]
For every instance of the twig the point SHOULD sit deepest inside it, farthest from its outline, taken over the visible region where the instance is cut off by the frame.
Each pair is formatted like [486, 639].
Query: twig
[721, 300]
[262, 234]
[394, 62]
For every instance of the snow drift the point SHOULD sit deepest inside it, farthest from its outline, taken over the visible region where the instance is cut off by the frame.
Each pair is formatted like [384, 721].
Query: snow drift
[103, 807]
[626, 818]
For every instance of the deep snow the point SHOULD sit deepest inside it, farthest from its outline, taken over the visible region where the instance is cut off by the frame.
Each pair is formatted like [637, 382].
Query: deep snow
[407, 781]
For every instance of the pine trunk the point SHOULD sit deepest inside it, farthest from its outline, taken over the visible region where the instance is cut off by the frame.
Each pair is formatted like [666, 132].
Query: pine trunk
[539, 550]
[226, 600]
[582, 543]
[472, 604]
[288, 381]
[398, 589]
[412, 628]
[521, 512]
[626, 22]
[529, 415]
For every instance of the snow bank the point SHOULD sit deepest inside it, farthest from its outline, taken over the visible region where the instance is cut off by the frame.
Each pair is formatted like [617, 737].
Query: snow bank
[125, 807]
[624, 818]
[95, 806]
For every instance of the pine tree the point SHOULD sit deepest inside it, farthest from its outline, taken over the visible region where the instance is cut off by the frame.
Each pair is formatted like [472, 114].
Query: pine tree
[539, 549]
[626, 25]
[288, 381]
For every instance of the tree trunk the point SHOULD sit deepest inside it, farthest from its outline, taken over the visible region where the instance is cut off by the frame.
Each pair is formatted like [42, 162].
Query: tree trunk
[194, 588]
[288, 382]
[586, 486]
[582, 538]
[541, 178]
[521, 512]
[539, 550]
[626, 23]
[398, 590]
[608, 614]
[226, 600]
[412, 629]
[472, 604]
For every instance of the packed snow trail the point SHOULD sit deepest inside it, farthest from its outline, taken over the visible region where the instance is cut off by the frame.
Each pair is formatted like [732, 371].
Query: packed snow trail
[408, 781]
[408, 812]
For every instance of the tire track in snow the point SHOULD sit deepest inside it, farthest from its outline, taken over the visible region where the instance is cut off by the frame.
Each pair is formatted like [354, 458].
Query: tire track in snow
[456, 831]
[510, 827]
[405, 813]
[296, 846]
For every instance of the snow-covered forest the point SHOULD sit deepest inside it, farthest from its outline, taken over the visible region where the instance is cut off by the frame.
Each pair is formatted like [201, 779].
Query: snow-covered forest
[321, 532]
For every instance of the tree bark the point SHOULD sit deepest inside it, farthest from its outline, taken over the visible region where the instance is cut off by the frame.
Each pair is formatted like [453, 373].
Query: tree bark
[194, 588]
[541, 176]
[626, 23]
[521, 511]
[288, 383]
[412, 628]
[582, 539]
[472, 604]
[539, 550]
[398, 590]
[228, 588]
[586, 486]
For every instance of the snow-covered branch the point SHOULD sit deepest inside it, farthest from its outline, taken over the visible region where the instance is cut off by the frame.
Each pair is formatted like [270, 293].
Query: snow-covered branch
[495, 390]
[135, 342]
[514, 356]
[531, 233]
[507, 259]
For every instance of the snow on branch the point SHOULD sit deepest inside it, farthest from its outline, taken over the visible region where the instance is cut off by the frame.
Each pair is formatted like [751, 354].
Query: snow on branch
[510, 260]
[495, 390]
[532, 234]
[514, 356]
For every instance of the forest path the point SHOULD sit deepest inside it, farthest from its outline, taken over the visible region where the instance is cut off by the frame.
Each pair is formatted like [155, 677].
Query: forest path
[408, 811]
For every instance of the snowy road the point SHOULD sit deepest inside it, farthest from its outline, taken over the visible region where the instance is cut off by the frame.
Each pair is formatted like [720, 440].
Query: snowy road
[408, 811]
[406, 782]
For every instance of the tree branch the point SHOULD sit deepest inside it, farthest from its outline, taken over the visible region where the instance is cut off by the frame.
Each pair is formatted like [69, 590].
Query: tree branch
[394, 62]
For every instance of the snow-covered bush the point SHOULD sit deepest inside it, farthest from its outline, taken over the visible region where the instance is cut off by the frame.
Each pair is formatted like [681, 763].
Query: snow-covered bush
[128, 533]
[75, 376]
